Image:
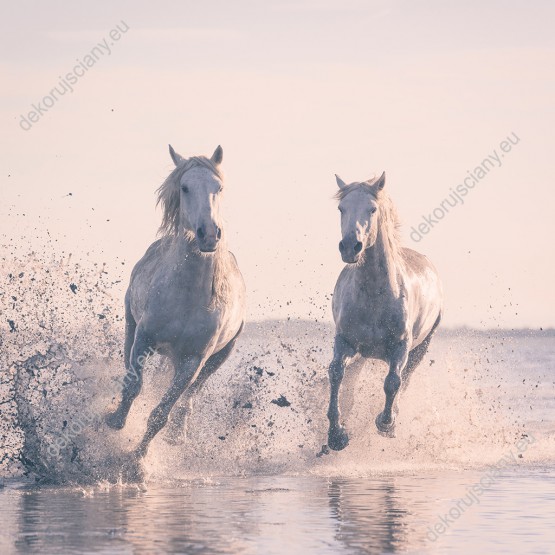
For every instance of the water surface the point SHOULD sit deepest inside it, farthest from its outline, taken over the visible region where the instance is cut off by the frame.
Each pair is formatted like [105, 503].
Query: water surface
[287, 514]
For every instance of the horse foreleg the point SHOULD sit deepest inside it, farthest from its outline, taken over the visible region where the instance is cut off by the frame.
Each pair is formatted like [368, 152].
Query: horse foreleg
[385, 421]
[133, 379]
[342, 352]
[185, 373]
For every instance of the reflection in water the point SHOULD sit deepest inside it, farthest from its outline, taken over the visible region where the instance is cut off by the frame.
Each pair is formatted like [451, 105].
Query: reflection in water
[51, 520]
[282, 514]
[372, 519]
[251, 515]
[191, 519]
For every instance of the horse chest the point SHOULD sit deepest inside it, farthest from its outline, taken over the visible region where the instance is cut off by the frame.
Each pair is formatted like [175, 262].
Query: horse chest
[371, 324]
[371, 319]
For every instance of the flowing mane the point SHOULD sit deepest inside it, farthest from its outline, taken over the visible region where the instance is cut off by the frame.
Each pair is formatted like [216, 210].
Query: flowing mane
[168, 196]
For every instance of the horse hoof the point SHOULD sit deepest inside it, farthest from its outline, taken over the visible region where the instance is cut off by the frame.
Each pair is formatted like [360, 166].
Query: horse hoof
[386, 430]
[338, 439]
[114, 421]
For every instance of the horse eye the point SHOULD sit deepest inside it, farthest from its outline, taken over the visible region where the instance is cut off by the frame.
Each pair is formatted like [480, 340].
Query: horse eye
[373, 210]
[185, 189]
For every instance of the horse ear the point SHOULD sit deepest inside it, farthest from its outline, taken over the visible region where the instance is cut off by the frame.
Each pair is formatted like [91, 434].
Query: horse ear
[218, 156]
[340, 182]
[177, 158]
[381, 182]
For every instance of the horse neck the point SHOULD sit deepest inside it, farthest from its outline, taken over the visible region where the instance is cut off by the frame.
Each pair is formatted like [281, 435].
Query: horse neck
[379, 268]
[210, 272]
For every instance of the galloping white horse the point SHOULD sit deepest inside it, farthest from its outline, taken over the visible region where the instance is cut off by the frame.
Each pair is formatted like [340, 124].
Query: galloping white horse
[387, 301]
[186, 298]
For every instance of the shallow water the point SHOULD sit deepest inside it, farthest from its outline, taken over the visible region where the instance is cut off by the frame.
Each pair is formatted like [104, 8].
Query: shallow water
[287, 514]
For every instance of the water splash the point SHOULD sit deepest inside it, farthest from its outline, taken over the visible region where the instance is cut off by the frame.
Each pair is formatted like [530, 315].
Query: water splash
[473, 397]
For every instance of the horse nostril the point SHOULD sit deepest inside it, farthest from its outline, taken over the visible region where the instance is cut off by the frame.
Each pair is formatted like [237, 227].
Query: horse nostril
[358, 247]
[200, 233]
[341, 246]
[218, 233]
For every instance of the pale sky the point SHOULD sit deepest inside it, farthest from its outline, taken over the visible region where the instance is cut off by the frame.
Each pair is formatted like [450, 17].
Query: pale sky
[294, 92]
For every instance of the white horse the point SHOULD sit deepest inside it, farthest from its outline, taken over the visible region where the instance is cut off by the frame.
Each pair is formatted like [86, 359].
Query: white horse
[186, 298]
[387, 301]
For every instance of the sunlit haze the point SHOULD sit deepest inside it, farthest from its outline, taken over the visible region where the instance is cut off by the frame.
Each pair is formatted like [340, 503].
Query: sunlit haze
[294, 92]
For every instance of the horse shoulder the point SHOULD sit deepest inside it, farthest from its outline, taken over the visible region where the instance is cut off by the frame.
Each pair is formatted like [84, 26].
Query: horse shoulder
[144, 274]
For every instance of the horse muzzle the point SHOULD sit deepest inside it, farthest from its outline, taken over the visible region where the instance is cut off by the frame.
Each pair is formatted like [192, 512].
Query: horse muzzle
[208, 239]
[350, 250]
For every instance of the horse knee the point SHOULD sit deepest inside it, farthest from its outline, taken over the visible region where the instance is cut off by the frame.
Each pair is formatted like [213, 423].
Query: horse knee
[336, 371]
[392, 384]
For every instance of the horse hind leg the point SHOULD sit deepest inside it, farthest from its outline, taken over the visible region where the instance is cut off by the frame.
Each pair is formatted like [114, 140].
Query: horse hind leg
[176, 430]
[177, 427]
[416, 356]
[185, 373]
[402, 364]
[385, 421]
